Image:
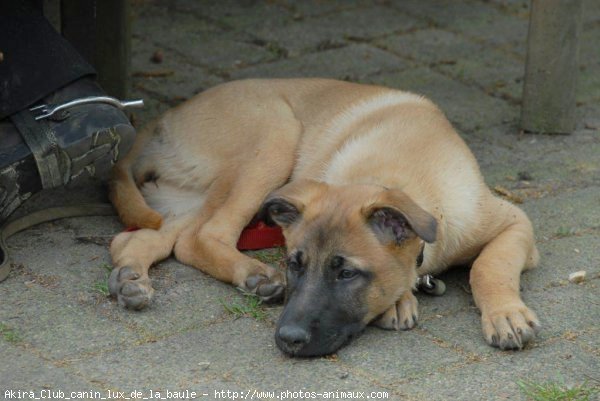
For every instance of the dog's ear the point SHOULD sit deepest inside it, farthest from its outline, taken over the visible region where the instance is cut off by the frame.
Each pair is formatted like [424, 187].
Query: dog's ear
[280, 211]
[285, 206]
[394, 218]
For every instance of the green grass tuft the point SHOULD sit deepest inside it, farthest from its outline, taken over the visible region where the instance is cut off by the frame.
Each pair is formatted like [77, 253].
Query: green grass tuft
[107, 266]
[563, 231]
[102, 288]
[9, 334]
[552, 391]
[269, 256]
[251, 307]
[276, 50]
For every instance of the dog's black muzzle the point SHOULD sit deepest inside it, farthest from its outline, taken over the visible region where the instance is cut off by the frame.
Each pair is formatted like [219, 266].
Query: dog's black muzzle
[316, 330]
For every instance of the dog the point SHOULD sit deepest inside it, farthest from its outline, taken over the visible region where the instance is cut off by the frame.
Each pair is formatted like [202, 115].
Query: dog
[365, 182]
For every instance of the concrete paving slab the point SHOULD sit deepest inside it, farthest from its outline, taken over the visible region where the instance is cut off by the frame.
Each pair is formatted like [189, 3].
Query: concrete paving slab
[330, 7]
[250, 14]
[173, 79]
[158, 18]
[197, 40]
[561, 215]
[517, 8]
[572, 308]
[497, 379]
[563, 256]
[588, 120]
[497, 72]
[71, 255]
[548, 162]
[431, 46]
[589, 341]
[460, 330]
[55, 326]
[588, 84]
[241, 15]
[310, 34]
[354, 62]
[388, 355]
[241, 353]
[222, 51]
[468, 383]
[561, 361]
[587, 47]
[591, 12]
[23, 370]
[474, 19]
[466, 107]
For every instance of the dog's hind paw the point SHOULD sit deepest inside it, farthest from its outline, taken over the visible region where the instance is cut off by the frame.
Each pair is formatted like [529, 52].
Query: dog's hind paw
[132, 290]
[510, 327]
[270, 290]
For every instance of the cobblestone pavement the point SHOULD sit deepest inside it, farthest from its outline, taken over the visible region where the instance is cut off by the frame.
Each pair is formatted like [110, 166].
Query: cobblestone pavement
[60, 332]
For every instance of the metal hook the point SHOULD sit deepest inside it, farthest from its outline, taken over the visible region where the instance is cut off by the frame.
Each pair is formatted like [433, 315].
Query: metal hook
[430, 285]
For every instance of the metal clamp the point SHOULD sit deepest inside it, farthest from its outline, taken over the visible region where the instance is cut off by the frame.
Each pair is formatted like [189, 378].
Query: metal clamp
[49, 110]
[430, 285]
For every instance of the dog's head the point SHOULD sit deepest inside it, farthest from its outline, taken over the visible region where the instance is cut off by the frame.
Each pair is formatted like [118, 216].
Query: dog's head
[352, 252]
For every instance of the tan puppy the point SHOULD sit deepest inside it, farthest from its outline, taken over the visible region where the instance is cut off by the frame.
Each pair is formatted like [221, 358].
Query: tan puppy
[365, 179]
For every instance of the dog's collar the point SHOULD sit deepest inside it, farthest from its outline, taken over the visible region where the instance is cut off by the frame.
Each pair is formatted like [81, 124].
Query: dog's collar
[426, 282]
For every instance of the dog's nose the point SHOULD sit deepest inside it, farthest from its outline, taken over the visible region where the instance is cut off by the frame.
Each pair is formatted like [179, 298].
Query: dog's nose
[293, 338]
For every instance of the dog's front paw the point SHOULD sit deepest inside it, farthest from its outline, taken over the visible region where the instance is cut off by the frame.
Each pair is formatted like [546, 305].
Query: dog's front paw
[269, 289]
[510, 326]
[401, 316]
[131, 289]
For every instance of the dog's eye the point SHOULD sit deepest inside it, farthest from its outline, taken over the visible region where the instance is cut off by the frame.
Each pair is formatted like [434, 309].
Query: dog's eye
[347, 274]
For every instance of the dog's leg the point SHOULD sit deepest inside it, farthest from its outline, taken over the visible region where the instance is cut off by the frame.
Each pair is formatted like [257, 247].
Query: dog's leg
[403, 315]
[507, 323]
[133, 253]
[211, 246]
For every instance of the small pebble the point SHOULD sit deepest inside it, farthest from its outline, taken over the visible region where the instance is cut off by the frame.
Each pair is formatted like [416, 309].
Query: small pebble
[577, 277]
[204, 365]
[157, 57]
[344, 375]
[524, 176]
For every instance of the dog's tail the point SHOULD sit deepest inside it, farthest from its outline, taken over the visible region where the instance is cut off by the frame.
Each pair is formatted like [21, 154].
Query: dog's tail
[128, 200]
